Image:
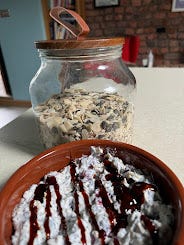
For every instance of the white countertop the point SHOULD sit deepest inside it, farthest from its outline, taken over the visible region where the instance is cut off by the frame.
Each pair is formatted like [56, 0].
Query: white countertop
[159, 124]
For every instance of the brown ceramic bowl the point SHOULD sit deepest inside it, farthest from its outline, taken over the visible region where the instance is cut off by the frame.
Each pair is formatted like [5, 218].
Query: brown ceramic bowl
[59, 156]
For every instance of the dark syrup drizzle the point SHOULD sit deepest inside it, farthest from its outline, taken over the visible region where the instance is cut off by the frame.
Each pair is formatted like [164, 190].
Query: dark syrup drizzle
[34, 227]
[74, 181]
[39, 195]
[48, 214]
[129, 199]
[33, 222]
[52, 181]
[86, 200]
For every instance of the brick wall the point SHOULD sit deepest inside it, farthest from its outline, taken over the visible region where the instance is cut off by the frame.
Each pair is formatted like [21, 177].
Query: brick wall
[159, 29]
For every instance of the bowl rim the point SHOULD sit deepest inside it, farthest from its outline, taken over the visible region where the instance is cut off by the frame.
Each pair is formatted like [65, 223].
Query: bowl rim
[98, 142]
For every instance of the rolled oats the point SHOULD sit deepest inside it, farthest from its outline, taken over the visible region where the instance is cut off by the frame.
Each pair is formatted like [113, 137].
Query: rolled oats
[79, 114]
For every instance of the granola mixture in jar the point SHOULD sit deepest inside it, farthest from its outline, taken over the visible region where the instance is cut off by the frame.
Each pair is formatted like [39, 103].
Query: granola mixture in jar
[83, 90]
[80, 114]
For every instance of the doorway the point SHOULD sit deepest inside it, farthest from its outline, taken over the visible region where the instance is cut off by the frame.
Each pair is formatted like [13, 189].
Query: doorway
[5, 90]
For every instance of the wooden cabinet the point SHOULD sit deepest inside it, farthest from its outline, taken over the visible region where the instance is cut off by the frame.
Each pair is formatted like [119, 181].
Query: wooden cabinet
[50, 25]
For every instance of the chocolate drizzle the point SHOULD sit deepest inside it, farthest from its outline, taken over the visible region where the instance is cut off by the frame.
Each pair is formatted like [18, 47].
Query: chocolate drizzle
[151, 228]
[48, 214]
[106, 202]
[87, 203]
[34, 227]
[52, 181]
[130, 198]
[75, 182]
[39, 193]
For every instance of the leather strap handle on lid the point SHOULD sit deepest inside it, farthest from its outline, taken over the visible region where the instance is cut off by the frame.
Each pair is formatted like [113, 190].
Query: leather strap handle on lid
[56, 12]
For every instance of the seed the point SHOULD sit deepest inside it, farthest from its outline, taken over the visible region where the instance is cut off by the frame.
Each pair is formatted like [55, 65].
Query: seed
[100, 103]
[110, 117]
[54, 130]
[88, 127]
[104, 125]
[104, 96]
[116, 111]
[125, 106]
[83, 126]
[88, 121]
[124, 119]
[95, 112]
[115, 125]
[109, 128]
[101, 136]
[75, 127]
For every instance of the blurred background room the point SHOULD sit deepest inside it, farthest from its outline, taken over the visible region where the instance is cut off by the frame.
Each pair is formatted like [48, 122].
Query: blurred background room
[153, 30]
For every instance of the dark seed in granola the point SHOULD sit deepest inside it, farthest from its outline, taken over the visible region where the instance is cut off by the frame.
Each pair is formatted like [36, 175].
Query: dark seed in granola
[124, 119]
[115, 125]
[95, 112]
[116, 111]
[77, 111]
[100, 103]
[110, 117]
[101, 136]
[75, 128]
[54, 130]
[83, 126]
[125, 106]
[104, 96]
[88, 121]
[104, 125]
[109, 128]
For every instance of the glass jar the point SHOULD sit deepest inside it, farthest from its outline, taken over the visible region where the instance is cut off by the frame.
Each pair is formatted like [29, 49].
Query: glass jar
[83, 90]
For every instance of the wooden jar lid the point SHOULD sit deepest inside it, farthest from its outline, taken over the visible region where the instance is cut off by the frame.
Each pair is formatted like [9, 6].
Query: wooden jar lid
[79, 44]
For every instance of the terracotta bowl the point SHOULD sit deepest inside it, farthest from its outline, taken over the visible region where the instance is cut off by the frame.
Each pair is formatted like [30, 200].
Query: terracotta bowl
[59, 156]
